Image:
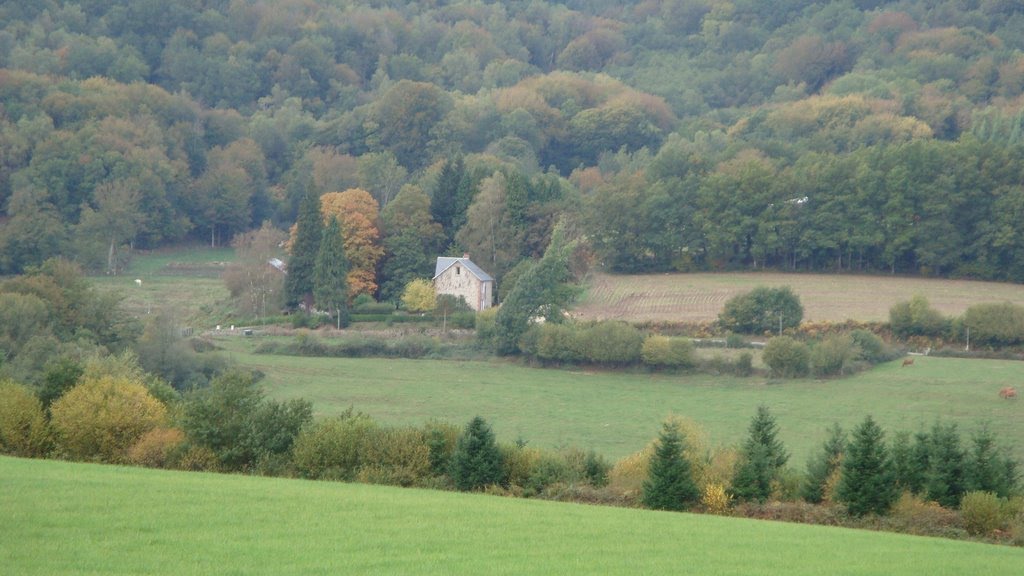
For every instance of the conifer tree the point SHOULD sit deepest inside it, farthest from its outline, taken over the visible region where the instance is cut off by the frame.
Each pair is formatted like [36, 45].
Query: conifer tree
[669, 484]
[298, 284]
[866, 484]
[988, 468]
[823, 465]
[444, 204]
[476, 462]
[330, 274]
[945, 483]
[763, 456]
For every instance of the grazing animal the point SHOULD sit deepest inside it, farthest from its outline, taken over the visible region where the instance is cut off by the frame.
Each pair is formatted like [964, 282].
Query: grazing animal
[1008, 393]
[907, 362]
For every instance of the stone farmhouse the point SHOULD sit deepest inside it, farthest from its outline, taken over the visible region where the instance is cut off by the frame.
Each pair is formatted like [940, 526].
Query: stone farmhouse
[461, 277]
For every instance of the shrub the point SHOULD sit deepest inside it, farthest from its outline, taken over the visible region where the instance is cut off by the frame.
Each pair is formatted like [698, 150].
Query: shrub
[553, 342]
[735, 341]
[335, 448]
[916, 318]
[628, 474]
[833, 356]
[668, 352]
[398, 456]
[158, 448]
[715, 499]
[786, 357]
[762, 310]
[981, 512]
[745, 364]
[487, 328]
[871, 348]
[199, 459]
[610, 343]
[476, 462]
[23, 429]
[995, 324]
[913, 515]
[100, 419]
[548, 469]
[232, 418]
[441, 439]
[419, 296]
[517, 462]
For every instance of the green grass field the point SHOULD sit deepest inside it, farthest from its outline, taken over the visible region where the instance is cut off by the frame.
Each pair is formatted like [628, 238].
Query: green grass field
[184, 282]
[834, 298]
[69, 519]
[618, 413]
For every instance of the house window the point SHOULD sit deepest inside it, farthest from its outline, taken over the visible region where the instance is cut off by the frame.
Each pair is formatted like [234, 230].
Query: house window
[458, 270]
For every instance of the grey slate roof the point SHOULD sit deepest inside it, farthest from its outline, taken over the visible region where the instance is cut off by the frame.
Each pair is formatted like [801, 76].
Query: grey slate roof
[446, 262]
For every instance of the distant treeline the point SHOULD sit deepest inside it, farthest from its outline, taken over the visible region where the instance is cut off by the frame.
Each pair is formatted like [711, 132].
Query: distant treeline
[678, 134]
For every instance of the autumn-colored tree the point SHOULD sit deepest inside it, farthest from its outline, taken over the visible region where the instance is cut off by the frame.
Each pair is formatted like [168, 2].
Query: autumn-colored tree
[357, 212]
[23, 430]
[100, 419]
[419, 296]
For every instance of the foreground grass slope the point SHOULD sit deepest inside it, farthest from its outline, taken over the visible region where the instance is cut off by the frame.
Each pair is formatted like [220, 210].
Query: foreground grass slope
[63, 518]
[618, 413]
[826, 297]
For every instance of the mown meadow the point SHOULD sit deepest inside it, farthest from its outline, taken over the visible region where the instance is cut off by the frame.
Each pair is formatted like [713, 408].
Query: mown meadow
[64, 518]
[617, 413]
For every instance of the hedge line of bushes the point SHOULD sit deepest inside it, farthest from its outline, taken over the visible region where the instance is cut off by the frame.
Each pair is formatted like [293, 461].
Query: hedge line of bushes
[229, 426]
[409, 346]
[987, 325]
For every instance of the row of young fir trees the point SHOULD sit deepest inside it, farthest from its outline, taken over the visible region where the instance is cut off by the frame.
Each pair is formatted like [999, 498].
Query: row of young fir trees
[863, 473]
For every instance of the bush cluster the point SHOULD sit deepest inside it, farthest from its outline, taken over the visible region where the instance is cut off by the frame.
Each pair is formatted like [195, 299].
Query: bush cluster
[604, 343]
[407, 346]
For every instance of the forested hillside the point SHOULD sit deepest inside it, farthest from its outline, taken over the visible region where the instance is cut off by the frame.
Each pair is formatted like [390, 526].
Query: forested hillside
[676, 134]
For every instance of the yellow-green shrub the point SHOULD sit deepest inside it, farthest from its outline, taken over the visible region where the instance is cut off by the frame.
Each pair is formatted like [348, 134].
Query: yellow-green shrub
[398, 456]
[334, 448]
[158, 448]
[982, 512]
[668, 352]
[715, 498]
[101, 418]
[23, 429]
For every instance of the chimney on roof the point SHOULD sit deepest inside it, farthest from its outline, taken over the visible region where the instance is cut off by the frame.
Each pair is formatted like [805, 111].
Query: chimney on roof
[465, 255]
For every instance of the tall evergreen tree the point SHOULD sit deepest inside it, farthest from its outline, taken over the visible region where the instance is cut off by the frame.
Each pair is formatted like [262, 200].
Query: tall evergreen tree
[823, 465]
[988, 468]
[763, 456]
[298, 285]
[945, 483]
[330, 274]
[444, 204]
[476, 461]
[669, 484]
[866, 482]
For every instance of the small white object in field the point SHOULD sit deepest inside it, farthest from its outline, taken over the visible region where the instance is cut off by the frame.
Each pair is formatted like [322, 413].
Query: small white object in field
[138, 281]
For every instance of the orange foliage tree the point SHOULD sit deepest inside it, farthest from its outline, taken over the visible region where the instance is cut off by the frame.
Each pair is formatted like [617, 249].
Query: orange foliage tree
[358, 214]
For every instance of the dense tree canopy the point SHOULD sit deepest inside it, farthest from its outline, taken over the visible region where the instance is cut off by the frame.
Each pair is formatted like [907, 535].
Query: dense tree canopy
[878, 135]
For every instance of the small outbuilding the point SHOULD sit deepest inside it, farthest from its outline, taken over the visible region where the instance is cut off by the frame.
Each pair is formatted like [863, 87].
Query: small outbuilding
[462, 278]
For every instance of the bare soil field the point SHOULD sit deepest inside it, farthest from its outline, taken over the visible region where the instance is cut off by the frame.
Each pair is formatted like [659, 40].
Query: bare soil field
[826, 297]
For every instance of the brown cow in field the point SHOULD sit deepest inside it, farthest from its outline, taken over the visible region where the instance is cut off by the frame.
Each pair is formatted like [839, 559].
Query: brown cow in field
[1008, 393]
[907, 362]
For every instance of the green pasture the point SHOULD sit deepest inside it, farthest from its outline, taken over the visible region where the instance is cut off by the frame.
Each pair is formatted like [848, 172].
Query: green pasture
[185, 282]
[617, 413]
[64, 518]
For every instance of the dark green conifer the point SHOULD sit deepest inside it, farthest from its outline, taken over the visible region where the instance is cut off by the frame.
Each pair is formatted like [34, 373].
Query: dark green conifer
[298, 284]
[669, 484]
[476, 462]
[330, 274]
[866, 485]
